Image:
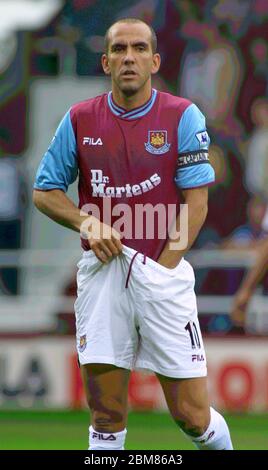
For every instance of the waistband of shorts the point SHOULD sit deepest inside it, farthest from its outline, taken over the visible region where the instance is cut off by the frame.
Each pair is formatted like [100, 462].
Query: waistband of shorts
[126, 251]
[130, 252]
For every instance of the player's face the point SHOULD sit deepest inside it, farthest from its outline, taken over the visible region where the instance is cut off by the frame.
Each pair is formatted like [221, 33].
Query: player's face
[130, 60]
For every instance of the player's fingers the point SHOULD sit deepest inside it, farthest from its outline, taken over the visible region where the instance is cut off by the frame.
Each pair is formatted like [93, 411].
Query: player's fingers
[117, 243]
[101, 251]
[112, 247]
[105, 248]
[101, 255]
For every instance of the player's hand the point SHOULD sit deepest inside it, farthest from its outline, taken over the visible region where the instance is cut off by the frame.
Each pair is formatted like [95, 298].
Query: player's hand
[239, 307]
[103, 240]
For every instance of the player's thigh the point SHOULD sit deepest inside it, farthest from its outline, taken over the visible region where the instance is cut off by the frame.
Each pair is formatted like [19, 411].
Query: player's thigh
[187, 399]
[106, 388]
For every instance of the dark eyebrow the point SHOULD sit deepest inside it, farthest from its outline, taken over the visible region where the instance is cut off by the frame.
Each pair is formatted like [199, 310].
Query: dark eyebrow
[135, 44]
[117, 44]
[141, 43]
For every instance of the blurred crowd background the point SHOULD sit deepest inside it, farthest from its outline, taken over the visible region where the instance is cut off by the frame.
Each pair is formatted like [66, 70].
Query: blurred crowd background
[215, 53]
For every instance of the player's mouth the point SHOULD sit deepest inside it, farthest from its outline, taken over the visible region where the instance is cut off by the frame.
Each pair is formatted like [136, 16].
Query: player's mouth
[129, 74]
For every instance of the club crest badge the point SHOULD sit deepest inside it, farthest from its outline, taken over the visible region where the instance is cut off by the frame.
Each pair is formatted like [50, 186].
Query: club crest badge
[83, 343]
[157, 142]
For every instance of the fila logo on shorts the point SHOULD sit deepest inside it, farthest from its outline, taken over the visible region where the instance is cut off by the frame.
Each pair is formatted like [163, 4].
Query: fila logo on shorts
[92, 141]
[102, 437]
[198, 358]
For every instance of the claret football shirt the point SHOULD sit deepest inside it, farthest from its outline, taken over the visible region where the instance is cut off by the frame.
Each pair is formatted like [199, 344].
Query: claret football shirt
[130, 164]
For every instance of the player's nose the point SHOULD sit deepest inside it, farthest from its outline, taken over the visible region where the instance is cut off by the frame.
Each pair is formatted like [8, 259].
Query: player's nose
[129, 56]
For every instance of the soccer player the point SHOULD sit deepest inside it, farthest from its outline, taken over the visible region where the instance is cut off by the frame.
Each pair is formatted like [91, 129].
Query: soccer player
[135, 148]
[249, 284]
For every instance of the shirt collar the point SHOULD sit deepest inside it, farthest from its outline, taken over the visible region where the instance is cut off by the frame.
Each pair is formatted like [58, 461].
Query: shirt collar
[132, 113]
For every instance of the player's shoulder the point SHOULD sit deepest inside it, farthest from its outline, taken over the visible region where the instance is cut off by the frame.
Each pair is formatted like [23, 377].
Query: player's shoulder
[87, 106]
[167, 100]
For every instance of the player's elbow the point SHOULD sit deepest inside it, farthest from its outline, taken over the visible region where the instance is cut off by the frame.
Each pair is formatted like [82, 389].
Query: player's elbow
[197, 201]
[38, 199]
[204, 210]
[198, 206]
[200, 210]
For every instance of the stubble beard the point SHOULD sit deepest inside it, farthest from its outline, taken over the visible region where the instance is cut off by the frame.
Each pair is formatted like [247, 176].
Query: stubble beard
[129, 89]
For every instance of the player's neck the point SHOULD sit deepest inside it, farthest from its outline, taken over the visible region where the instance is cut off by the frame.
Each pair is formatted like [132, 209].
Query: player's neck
[131, 102]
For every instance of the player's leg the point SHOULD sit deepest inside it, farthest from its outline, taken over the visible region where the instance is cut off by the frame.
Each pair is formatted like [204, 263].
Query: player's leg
[106, 388]
[107, 342]
[188, 403]
[172, 346]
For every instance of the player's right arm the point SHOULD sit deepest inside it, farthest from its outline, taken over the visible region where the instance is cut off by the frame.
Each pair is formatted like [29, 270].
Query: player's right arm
[56, 171]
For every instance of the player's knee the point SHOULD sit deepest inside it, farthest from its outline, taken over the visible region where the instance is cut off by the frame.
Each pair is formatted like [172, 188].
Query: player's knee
[192, 421]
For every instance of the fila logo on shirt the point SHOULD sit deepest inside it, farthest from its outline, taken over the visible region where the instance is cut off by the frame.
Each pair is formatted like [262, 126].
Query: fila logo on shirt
[92, 141]
[102, 437]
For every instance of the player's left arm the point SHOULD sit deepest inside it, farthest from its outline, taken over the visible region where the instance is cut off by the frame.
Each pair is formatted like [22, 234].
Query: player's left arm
[194, 174]
[196, 200]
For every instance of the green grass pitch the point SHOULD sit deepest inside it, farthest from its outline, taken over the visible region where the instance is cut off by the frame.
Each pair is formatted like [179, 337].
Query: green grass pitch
[68, 430]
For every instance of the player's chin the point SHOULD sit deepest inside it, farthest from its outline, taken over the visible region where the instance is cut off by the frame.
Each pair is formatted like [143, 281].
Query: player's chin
[129, 89]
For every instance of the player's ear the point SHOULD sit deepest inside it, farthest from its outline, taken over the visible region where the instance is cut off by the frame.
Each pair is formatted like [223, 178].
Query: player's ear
[105, 64]
[156, 63]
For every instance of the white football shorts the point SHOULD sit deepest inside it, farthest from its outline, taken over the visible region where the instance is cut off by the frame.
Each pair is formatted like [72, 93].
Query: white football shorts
[136, 314]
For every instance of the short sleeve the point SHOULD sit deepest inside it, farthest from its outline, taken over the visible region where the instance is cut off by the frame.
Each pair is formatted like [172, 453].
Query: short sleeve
[58, 167]
[193, 166]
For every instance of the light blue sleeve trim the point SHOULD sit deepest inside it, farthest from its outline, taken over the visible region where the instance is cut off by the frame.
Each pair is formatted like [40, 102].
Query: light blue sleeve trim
[58, 168]
[195, 176]
[191, 127]
[192, 136]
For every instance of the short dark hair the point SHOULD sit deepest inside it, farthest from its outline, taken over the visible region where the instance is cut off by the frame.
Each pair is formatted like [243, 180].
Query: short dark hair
[131, 20]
